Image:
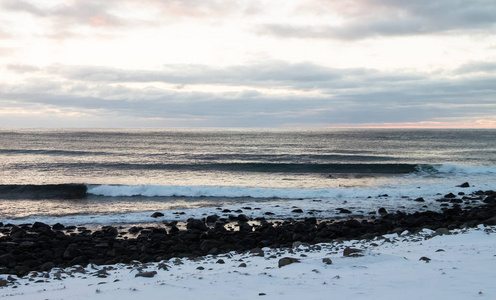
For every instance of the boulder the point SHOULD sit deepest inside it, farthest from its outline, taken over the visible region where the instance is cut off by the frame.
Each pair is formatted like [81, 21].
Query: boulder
[196, 224]
[287, 261]
[157, 214]
[149, 274]
[352, 252]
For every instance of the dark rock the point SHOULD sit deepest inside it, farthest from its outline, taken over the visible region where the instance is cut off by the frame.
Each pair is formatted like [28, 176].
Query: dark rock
[419, 199]
[149, 274]
[38, 225]
[343, 211]
[298, 210]
[352, 252]
[311, 220]
[242, 265]
[443, 200]
[490, 221]
[220, 261]
[196, 224]
[208, 245]
[426, 259]
[72, 251]
[212, 218]
[442, 231]
[47, 266]
[245, 227]
[243, 218]
[464, 185]
[257, 252]
[353, 224]
[450, 195]
[382, 211]
[287, 261]
[173, 229]
[27, 244]
[327, 261]
[157, 214]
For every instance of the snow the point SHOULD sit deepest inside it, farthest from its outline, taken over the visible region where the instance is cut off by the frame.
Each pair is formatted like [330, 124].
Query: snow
[461, 266]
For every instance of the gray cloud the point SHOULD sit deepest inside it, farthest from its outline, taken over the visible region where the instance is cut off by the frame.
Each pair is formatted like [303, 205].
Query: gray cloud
[67, 16]
[22, 68]
[342, 96]
[477, 67]
[273, 74]
[370, 18]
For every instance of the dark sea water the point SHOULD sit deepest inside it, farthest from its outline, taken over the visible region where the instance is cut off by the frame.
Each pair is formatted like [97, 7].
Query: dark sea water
[124, 174]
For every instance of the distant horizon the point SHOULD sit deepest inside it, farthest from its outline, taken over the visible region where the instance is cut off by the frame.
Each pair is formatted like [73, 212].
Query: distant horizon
[260, 128]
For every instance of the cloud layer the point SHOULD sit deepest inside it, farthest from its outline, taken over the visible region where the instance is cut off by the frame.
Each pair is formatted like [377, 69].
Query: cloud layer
[221, 63]
[373, 18]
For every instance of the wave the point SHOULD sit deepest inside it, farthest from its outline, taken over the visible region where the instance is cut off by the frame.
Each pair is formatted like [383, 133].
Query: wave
[240, 167]
[203, 191]
[46, 191]
[455, 169]
[54, 152]
[80, 191]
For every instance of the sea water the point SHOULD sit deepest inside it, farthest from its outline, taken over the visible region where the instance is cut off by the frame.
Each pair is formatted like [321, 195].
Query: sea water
[129, 173]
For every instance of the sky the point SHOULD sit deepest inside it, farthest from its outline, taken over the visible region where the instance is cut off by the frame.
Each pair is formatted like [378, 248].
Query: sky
[231, 63]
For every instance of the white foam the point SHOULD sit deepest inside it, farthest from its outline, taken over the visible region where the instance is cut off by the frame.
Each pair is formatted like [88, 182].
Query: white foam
[460, 169]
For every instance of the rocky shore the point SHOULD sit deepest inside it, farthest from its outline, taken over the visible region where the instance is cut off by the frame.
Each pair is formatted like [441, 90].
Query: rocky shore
[41, 247]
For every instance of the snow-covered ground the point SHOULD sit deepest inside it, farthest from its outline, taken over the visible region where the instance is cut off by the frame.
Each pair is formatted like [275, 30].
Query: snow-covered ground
[461, 265]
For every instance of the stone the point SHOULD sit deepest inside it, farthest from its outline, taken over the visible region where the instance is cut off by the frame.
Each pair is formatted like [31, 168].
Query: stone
[343, 211]
[257, 252]
[38, 225]
[243, 218]
[196, 224]
[149, 274]
[287, 261]
[442, 231]
[212, 218]
[298, 210]
[72, 251]
[382, 211]
[419, 199]
[27, 244]
[157, 214]
[327, 261]
[426, 259]
[220, 261]
[352, 252]
[242, 265]
[490, 221]
[353, 223]
[208, 245]
[464, 185]
[47, 266]
[450, 195]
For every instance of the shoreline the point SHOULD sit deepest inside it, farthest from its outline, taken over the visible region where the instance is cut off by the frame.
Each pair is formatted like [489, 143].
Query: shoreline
[41, 247]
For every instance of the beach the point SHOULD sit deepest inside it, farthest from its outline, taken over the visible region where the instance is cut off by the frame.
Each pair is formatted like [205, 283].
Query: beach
[455, 265]
[246, 214]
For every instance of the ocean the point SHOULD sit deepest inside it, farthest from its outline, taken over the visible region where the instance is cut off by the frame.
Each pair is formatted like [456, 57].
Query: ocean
[122, 176]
